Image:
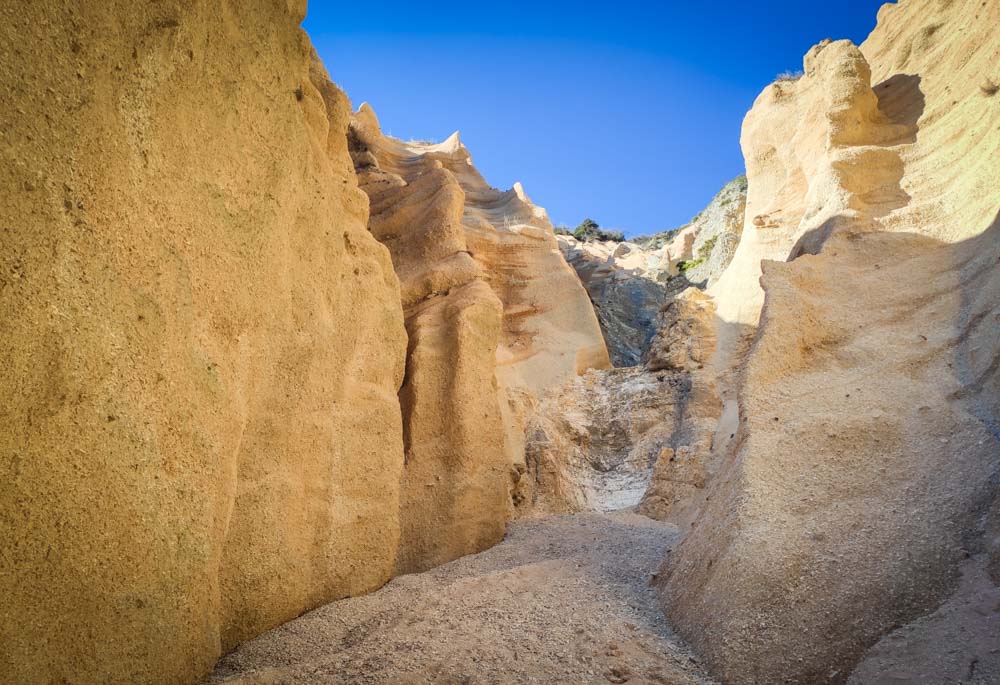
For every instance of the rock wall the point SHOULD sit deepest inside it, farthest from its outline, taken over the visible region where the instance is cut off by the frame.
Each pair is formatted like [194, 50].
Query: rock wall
[448, 231]
[864, 461]
[684, 344]
[592, 444]
[201, 342]
[457, 478]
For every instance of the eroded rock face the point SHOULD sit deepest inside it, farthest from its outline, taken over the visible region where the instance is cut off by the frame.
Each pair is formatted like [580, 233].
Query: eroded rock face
[591, 444]
[862, 465]
[684, 344]
[626, 299]
[457, 479]
[593, 438]
[201, 341]
[640, 436]
[629, 282]
[496, 318]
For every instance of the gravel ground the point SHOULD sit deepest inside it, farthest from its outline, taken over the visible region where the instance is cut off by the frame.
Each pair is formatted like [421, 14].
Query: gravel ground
[563, 599]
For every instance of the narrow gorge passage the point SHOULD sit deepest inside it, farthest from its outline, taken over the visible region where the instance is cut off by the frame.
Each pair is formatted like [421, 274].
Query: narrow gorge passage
[563, 599]
[288, 399]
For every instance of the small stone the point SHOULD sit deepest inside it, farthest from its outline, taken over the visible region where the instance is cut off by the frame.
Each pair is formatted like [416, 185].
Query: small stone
[618, 674]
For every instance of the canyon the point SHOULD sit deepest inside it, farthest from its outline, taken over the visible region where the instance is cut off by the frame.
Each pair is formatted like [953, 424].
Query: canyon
[287, 399]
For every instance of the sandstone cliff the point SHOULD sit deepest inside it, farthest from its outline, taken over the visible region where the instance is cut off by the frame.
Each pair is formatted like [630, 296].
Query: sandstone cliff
[201, 342]
[684, 344]
[862, 466]
[454, 238]
[457, 478]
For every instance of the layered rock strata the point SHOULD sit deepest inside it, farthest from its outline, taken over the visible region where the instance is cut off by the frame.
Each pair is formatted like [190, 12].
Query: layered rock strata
[454, 239]
[592, 444]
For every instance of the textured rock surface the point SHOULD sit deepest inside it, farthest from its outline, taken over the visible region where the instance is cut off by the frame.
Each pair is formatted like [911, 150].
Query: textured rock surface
[636, 436]
[550, 332]
[446, 227]
[718, 229]
[592, 444]
[706, 244]
[629, 282]
[957, 643]
[862, 466]
[626, 289]
[201, 341]
[457, 478]
[684, 344]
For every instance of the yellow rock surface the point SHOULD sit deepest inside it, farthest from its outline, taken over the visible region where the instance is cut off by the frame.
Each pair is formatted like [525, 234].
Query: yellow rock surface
[201, 343]
[457, 478]
[455, 239]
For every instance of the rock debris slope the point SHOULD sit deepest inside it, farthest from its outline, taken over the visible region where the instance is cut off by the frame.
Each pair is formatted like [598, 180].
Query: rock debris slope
[629, 282]
[201, 341]
[867, 449]
[592, 443]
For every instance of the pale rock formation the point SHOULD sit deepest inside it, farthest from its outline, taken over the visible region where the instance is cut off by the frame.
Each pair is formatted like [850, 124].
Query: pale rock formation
[705, 245]
[456, 482]
[629, 282]
[684, 344]
[635, 436]
[864, 462]
[446, 227]
[201, 342]
[718, 229]
[591, 444]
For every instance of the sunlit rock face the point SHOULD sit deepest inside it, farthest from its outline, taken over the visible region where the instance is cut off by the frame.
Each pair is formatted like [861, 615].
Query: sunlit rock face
[495, 319]
[201, 342]
[857, 335]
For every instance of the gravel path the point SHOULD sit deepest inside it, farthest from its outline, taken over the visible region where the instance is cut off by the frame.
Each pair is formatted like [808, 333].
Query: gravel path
[564, 599]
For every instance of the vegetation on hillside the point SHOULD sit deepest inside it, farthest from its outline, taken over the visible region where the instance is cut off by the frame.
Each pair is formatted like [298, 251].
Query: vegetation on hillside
[703, 254]
[590, 231]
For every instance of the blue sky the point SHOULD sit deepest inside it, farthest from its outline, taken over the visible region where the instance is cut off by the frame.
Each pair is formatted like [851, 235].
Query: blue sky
[625, 112]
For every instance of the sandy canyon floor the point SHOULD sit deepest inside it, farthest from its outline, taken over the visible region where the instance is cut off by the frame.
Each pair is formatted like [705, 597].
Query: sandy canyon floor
[564, 599]
[568, 599]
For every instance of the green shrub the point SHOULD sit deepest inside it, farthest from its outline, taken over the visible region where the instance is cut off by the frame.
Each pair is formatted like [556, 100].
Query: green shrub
[589, 231]
[706, 248]
[704, 252]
